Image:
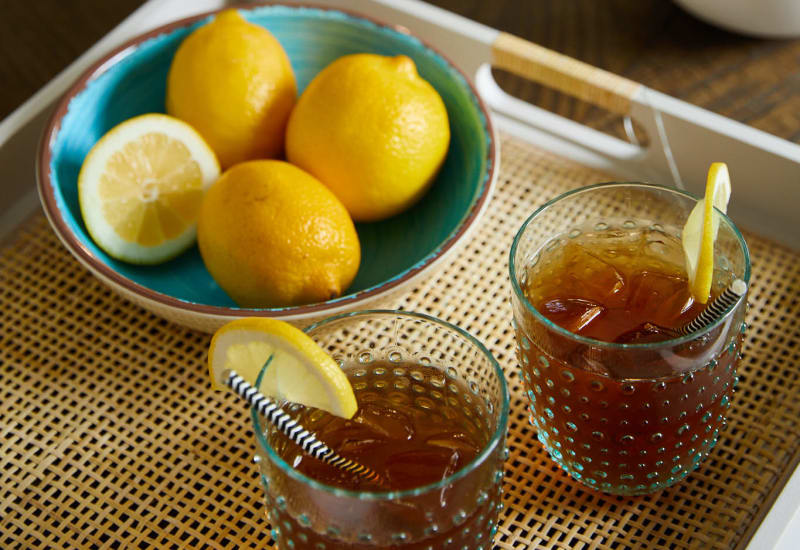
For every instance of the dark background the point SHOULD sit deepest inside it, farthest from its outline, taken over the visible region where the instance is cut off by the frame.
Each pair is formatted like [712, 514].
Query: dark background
[650, 41]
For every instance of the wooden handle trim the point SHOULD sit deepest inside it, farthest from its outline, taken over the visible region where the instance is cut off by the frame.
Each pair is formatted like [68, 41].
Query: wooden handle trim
[563, 73]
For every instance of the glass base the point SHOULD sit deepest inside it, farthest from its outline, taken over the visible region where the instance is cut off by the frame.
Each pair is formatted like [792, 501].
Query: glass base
[595, 479]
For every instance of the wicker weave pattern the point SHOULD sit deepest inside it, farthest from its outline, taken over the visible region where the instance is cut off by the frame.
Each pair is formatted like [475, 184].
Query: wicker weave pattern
[109, 436]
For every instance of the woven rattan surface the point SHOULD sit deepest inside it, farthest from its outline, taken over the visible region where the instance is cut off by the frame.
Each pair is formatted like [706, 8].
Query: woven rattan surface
[110, 437]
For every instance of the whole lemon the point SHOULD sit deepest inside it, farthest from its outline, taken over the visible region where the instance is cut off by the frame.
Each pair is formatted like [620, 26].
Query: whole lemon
[271, 235]
[232, 81]
[372, 130]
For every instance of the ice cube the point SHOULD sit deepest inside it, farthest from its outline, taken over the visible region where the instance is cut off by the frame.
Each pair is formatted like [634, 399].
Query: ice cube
[387, 422]
[592, 276]
[590, 359]
[650, 289]
[419, 466]
[646, 333]
[574, 314]
[657, 243]
[670, 310]
[455, 441]
[452, 465]
[352, 445]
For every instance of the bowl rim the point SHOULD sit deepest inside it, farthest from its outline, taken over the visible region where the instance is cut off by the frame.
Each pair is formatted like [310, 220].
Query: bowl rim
[47, 196]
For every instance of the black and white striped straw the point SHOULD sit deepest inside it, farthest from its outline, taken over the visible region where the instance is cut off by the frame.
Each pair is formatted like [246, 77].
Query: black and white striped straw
[294, 431]
[716, 308]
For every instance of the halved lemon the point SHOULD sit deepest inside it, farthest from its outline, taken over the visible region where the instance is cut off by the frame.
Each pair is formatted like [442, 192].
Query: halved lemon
[299, 371]
[141, 185]
[700, 231]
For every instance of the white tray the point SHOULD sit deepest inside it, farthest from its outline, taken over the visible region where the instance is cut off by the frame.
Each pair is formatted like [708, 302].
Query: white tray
[766, 169]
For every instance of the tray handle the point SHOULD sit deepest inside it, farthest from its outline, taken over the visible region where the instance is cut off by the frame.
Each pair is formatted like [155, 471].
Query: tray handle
[564, 73]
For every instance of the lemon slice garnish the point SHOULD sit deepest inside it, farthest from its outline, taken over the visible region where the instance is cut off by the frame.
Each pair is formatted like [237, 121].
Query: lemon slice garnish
[300, 371]
[140, 188]
[700, 231]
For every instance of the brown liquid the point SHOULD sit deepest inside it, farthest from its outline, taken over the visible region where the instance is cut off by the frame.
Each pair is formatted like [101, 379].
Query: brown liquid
[633, 434]
[609, 287]
[412, 430]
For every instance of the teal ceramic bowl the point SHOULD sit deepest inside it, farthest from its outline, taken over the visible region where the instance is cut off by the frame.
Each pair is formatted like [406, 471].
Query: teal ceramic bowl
[396, 253]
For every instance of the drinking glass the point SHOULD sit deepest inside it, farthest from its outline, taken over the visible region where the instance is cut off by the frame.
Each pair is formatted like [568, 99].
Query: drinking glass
[625, 418]
[461, 510]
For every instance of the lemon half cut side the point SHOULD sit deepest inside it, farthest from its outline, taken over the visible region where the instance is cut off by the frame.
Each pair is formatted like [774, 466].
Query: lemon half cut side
[141, 186]
[700, 231]
[299, 371]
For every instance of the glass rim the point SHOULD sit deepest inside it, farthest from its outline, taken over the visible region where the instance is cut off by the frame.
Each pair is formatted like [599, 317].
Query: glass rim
[499, 432]
[672, 342]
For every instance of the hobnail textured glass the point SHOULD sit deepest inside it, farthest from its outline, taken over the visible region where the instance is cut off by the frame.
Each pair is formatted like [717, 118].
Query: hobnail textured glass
[637, 417]
[459, 512]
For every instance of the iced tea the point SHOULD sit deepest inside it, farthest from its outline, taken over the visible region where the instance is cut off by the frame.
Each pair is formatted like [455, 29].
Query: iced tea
[432, 411]
[409, 432]
[619, 398]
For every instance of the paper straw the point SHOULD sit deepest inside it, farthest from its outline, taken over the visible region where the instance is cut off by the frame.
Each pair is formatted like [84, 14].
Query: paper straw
[294, 431]
[716, 308]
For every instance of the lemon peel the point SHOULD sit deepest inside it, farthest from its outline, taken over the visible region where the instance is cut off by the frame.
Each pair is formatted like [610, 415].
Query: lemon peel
[700, 231]
[272, 235]
[300, 371]
[373, 131]
[232, 80]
